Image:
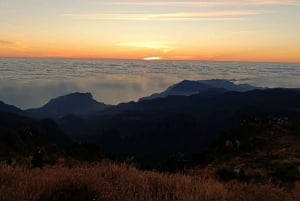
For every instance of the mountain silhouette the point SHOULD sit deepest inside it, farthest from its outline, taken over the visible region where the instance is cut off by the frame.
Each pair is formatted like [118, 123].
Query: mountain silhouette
[228, 85]
[10, 108]
[159, 127]
[155, 128]
[75, 103]
[189, 87]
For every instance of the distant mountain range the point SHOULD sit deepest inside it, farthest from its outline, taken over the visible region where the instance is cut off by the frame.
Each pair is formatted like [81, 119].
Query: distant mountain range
[188, 87]
[83, 103]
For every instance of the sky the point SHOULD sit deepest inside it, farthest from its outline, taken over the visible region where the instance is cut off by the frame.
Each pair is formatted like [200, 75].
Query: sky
[225, 30]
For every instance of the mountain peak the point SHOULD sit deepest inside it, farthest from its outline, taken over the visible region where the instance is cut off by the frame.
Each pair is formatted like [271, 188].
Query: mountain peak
[77, 96]
[189, 87]
[75, 103]
[228, 85]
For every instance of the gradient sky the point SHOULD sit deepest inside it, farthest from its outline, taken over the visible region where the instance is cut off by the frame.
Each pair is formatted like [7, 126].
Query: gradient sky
[245, 30]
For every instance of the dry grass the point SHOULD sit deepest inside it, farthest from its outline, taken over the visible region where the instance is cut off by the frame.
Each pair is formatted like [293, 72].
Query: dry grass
[111, 182]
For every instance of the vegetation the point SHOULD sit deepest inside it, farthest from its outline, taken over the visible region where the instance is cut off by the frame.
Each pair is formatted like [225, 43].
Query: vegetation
[112, 182]
[269, 149]
[255, 158]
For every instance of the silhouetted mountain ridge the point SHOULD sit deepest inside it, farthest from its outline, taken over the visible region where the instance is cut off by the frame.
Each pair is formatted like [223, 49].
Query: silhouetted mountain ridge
[10, 108]
[189, 87]
[188, 124]
[155, 128]
[75, 103]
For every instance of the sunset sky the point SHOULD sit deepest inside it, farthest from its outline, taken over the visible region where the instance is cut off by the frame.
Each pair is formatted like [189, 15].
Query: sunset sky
[244, 30]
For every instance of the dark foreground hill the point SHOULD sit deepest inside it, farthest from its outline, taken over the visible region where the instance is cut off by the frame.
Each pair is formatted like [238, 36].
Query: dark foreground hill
[154, 129]
[261, 149]
[21, 136]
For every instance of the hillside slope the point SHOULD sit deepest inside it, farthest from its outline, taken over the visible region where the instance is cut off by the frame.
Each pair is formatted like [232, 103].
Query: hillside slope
[10, 108]
[22, 136]
[269, 148]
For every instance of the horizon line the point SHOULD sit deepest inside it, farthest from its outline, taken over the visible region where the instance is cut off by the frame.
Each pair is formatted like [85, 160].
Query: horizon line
[142, 59]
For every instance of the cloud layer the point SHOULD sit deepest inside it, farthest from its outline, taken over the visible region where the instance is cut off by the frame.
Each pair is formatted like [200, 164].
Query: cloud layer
[226, 15]
[209, 3]
[5, 42]
[218, 12]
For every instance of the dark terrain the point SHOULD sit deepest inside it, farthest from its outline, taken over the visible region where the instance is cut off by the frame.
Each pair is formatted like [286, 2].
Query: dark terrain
[192, 120]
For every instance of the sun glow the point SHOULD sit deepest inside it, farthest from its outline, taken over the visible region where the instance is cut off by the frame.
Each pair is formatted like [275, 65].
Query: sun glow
[163, 46]
[213, 30]
[152, 58]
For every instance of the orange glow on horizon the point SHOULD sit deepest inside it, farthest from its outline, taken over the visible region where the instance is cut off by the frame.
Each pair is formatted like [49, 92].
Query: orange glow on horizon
[106, 51]
[220, 30]
[152, 58]
[254, 58]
